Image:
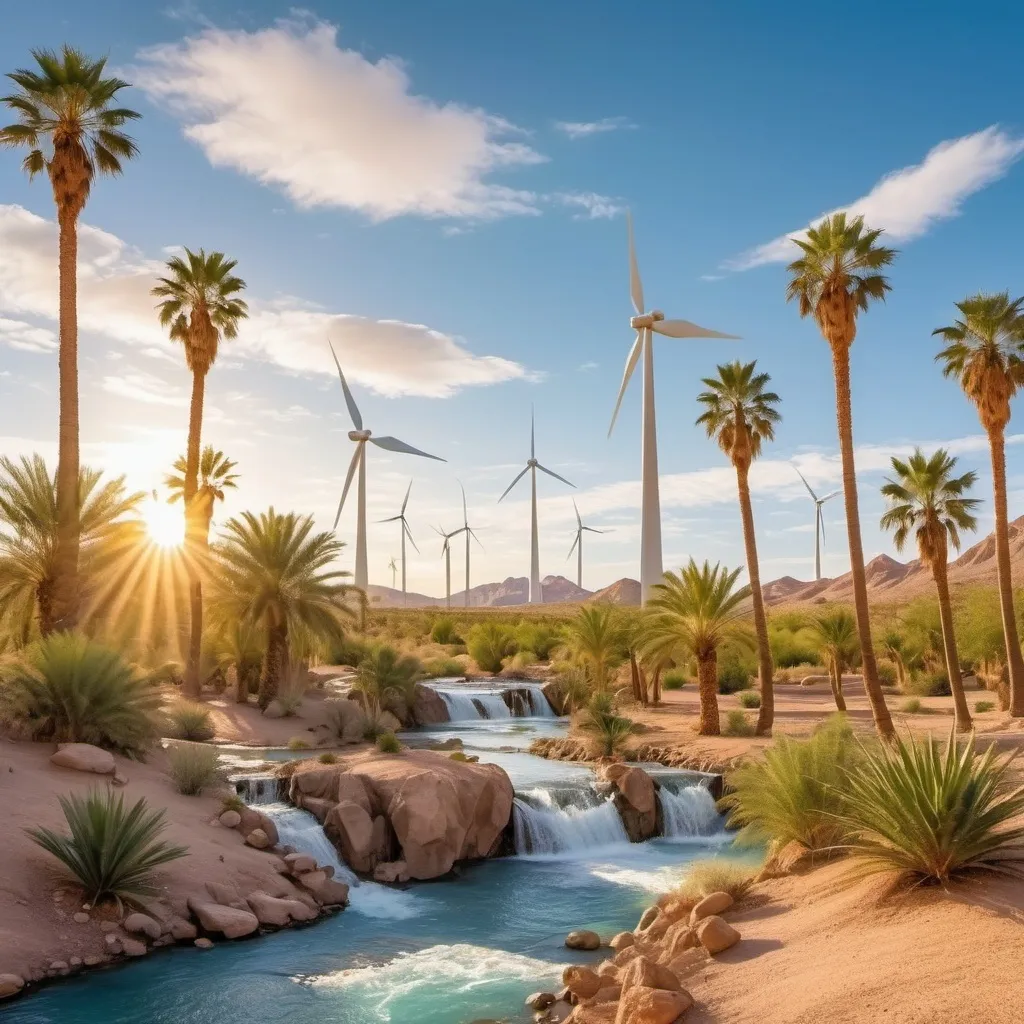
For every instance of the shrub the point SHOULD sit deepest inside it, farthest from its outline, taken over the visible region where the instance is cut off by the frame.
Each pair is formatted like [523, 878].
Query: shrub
[749, 699]
[674, 680]
[795, 791]
[387, 743]
[70, 689]
[111, 850]
[387, 677]
[609, 729]
[291, 689]
[444, 632]
[190, 721]
[299, 743]
[703, 877]
[912, 706]
[732, 677]
[454, 650]
[192, 767]
[736, 724]
[443, 668]
[886, 673]
[328, 758]
[538, 639]
[489, 643]
[933, 814]
[517, 665]
[348, 651]
[232, 803]
[983, 705]
[929, 684]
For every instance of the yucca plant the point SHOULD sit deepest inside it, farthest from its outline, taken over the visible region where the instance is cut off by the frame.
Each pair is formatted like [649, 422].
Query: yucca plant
[190, 721]
[192, 767]
[932, 813]
[609, 729]
[112, 850]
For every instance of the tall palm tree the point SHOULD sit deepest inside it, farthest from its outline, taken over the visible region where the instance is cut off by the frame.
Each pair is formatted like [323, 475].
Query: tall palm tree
[72, 130]
[273, 571]
[837, 278]
[741, 415]
[30, 531]
[985, 353]
[200, 305]
[216, 475]
[698, 611]
[926, 499]
[836, 637]
[595, 638]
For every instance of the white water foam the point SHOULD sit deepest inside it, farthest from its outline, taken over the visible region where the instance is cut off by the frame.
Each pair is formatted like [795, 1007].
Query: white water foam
[689, 813]
[460, 706]
[576, 828]
[539, 705]
[494, 705]
[472, 705]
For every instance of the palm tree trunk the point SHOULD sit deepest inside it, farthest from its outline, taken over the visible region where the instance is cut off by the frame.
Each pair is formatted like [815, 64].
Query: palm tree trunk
[634, 676]
[766, 715]
[274, 661]
[835, 677]
[844, 419]
[956, 682]
[707, 686]
[656, 686]
[1014, 662]
[194, 549]
[65, 558]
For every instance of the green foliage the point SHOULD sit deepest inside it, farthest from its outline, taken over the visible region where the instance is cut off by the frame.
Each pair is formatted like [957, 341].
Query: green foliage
[733, 676]
[984, 705]
[489, 643]
[232, 803]
[736, 724]
[111, 850]
[886, 673]
[575, 688]
[299, 743]
[795, 791]
[70, 689]
[444, 632]
[347, 650]
[674, 680]
[192, 767]
[934, 683]
[190, 721]
[594, 638]
[738, 410]
[835, 637]
[387, 677]
[912, 706]
[538, 638]
[376, 724]
[978, 625]
[933, 813]
[388, 743]
[328, 758]
[443, 668]
[791, 647]
[609, 729]
[749, 699]
[716, 874]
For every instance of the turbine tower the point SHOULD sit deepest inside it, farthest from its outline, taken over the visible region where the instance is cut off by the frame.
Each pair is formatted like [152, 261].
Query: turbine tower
[394, 571]
[360, 437]
[646, 326]
[819, 523]
[532, 465]
[446, 551]
[469, 533]
[577, 545]
[406, 532]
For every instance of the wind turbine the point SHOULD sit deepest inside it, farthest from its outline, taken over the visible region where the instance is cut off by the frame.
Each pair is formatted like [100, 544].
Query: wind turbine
[577, 545]
[406, 532]
[819, 523]
[394, 571]
[532, 465]
[469, 533]
[360, 437]
[446, 550]
[651, 570]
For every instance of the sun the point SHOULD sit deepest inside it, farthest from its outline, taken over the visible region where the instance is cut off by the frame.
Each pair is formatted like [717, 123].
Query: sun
[165, 523]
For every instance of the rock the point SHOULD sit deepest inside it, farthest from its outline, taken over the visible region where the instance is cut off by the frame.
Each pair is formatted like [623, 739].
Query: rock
[554, 691]
[312, 880]
[647, 918]
[582, 982]
[93, 960]
[391, 872]
[652, 1006]
[258, 839]
[141, 924]
[299, 863]
[109, 926]
[350, 827]
[133, 947]
[608, 970]
[583, 940]
[645, 973]
[715, 903]
[428, 707]
[389, 722]
[182, 929]
[278, 912]
[230, 922]
[59, 967]
[317, 806]
[119, 779]
[679, 938]
[203, 944]
[84, 757]
[75, 961]
[81, 918]
[716, 935]
[10, 985]
[625, 956]
[635, 799]
[225, 895]
[557, 1012]
[621, 941]
[230, 819]
[333, 893]
[112, 940]
[253, 819]
[607, 994]
[540, 1000]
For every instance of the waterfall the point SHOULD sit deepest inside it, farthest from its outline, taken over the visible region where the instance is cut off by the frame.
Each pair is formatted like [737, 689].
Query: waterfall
[460, 706]
[690, 812]
[472, 705]
[258, 790]
[573, 822]
[493, 704]
[539, 706]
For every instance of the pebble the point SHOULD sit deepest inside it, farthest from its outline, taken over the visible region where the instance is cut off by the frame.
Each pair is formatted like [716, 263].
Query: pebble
[75, 961]
[93, 960]
[203, 944]
[59, 966]
[81, 917]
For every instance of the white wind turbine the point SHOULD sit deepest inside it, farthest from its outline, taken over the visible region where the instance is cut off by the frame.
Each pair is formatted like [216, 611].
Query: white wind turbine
[360, 437]
[819, 523]
[406, 532]
[394, 571]
[446, 551]
[468, 530]
[577, 545]
[651, 569]
[532, 465]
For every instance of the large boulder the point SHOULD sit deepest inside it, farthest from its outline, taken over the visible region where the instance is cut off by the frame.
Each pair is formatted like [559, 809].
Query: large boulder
[362, 840]
[228, 921]
[583, 939]
[652, 1006]
[252, 819]
[554, 692]
[428, 706]
[713, 903]
[581, 981]
[84, 757]
[645, 973]
[10, 985]
[716, 935]
[635, 799]
[270, 910]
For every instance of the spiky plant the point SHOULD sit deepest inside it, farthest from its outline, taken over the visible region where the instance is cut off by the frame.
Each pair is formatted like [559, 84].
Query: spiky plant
[190, 721]
[595, 639]
[387, 677]
[192, 767]
[835, 635]
[609, 729]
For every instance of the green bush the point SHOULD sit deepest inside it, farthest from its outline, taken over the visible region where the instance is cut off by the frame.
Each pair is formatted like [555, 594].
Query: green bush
[933, 814]
[190, 721]
[792, 647]
[796, 790]
[443, 668]
[328, 758]
[299, 743]
[674, 680]
[444, 632]
[348, 651]
[733, 676]
[192, 767]
[111, 850]
[929, 684]
[387, 743]
[736, 724]
[489, 644]
[387, 677]
[69, 689]
[609, 729]
[912, 706]
[749, 699]
[886, 673]
[983, 705]
[232, 803]
[539, 639]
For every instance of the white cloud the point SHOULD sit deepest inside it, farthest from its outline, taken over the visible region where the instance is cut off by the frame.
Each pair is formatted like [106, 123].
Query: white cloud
[20, 335]
[144, 387]
[591, 205]
[389, 356]
[583, 129]
[907, 202]
[289, 107]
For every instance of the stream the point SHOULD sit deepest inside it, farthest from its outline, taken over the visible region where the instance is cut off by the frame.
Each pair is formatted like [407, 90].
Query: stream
[467, 947]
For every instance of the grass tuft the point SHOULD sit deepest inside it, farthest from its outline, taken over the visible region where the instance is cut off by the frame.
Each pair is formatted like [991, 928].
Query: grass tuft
[190, 721]
[704, 877]
[388, 743]
[736, 724]
[192, 767]
[749, 699]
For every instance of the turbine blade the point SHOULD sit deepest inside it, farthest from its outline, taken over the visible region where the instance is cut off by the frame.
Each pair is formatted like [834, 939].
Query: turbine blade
[636, 288]
[685, 329]
[472, 533]
[353, 409]
[829, 497]
[573, 548]
[806, 484]
[393, 519]
[465, 514]
[523, 473]
[408, 534]
[631, 359]
[392, 444]
[579, 522]
[405, 500]
[533, 446]
[543, 469]
[590, 529]
[348, 481]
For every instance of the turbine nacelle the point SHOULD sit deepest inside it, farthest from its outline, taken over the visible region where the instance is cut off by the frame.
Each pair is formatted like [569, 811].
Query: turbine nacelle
[646, 319]
[359, 435]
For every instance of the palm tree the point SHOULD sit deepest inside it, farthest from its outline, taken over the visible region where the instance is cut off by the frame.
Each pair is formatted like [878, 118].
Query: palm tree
[926, 499]
[836, 635]
[698, 611]
[273, 571]
[985, 353]
[214, 478]
[595, 638]
[72, 130]
[741, 415]
[838, 277]
[200, 304]
[386, 678]
[29, 546]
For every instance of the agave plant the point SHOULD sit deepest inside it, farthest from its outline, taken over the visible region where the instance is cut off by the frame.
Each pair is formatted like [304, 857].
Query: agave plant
[112, 850]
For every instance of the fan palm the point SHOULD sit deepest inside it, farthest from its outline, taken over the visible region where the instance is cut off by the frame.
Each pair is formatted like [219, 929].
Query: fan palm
[741, 415]
[71, 128]
[926, 499]
[387, 678]
[697, 612]
[594, 637]
[272, 570]
[835, 636]
[985, 353]
[200, 305]
[215, 476]
[837, 278]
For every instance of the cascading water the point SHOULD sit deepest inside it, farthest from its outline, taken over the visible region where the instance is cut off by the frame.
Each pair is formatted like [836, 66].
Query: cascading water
[493, 704]
[539, 706]
[527, 700]
[460, 706]
[689, 812]
[570, 822]
[259, 790]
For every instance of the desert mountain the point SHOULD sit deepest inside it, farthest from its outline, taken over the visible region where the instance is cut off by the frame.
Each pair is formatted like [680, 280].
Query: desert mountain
[511, 591]
[624, 591]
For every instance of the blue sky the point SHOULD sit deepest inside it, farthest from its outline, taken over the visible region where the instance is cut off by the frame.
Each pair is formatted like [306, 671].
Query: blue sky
[440, 188]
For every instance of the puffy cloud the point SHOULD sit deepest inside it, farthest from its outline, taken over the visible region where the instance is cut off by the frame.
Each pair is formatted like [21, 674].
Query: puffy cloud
[590, 205]
[584, 129]
[25, 337]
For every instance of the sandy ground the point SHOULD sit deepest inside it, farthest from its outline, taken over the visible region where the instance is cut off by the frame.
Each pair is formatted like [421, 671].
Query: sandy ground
[245, 724]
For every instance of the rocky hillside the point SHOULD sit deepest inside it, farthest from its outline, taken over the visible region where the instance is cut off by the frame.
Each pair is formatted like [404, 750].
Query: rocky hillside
[511, 591]
[624, 591]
